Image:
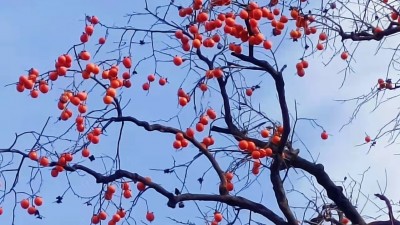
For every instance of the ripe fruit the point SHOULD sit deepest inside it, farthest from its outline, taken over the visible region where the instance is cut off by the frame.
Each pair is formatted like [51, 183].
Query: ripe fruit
[249, 92]
[265, 133]
[212, 114]
[89, 29]
[33, 155]
[38, 201]
[344, 55]
[150, 216]
[162, 81]
[102, 40]
[84, 38]
[127, 62]
[102, 215]
[243, 144]
[32, 210]
[322, 36]
[218, 217]
[95, 219]
[25, 203]
[85, 152]
[94, 20]
[267, 44]
[324, 135]
[140, 186]
[177, 60]
[44, 161]
[367, 139]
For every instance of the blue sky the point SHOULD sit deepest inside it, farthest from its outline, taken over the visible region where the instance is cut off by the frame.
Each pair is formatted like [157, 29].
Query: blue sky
[36, 32]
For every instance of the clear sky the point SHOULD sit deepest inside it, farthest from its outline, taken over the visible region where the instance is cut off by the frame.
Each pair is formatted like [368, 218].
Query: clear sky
[34, 33]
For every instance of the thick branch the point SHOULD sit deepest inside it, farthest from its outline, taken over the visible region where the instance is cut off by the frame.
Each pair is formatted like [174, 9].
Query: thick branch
[335, 193]
[166, 129]
[236, 201]
[279, 190]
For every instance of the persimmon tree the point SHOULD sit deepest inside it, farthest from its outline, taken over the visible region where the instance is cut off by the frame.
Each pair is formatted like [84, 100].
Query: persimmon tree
[210, 61]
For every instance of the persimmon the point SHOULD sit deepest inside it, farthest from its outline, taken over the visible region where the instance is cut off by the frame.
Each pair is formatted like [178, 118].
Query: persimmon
[267, 44]
[243, 144]
[89, 29]
[95, 219]
[202, 17]
[59, 168]
[323, 36]
[97, 131]
[394, 15]
[189, 132]
[79, 120]
[301, 72]
[268, 152]
[199, 127]
[80, 128]
[84, 37]
[108, 196]
[1, 211]
[44, 161]
[203, 120]
[320, 46]
[345, 220]
[102, 215]
[25, 203]
[324, 135]
[95, 140]
[367, 139]
[162, 81]
[38, 201]
[150, 216]
[140, 186]
[229, 176]
[75, 100]
[33, 155]
[179, 136]
[121, 213]
[249, 92]
[54, 172]
[255, 154]
[255, 170]
[94, 20]
[125, 186]
[229, 186]
[344, 55]
[84, 55]
[243, 14]
[196, 43]
[203, 87]
[177, 144]
[146, 86]
[218, 217]
[275, 139]
[251, 146]
[127, 194]
[34, 93]
[108, 99]
[212, 114]
[102, 40]
[85, 152]
[20, 87]
[276, 11]
[62, 161]
[68, 157]
[182, 101]
[264, 133]
[192, 29]
[32, 210]
[44, 88]
[127, 62]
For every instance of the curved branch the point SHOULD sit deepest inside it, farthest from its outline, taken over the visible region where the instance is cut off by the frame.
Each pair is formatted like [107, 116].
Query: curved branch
[174, 199]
